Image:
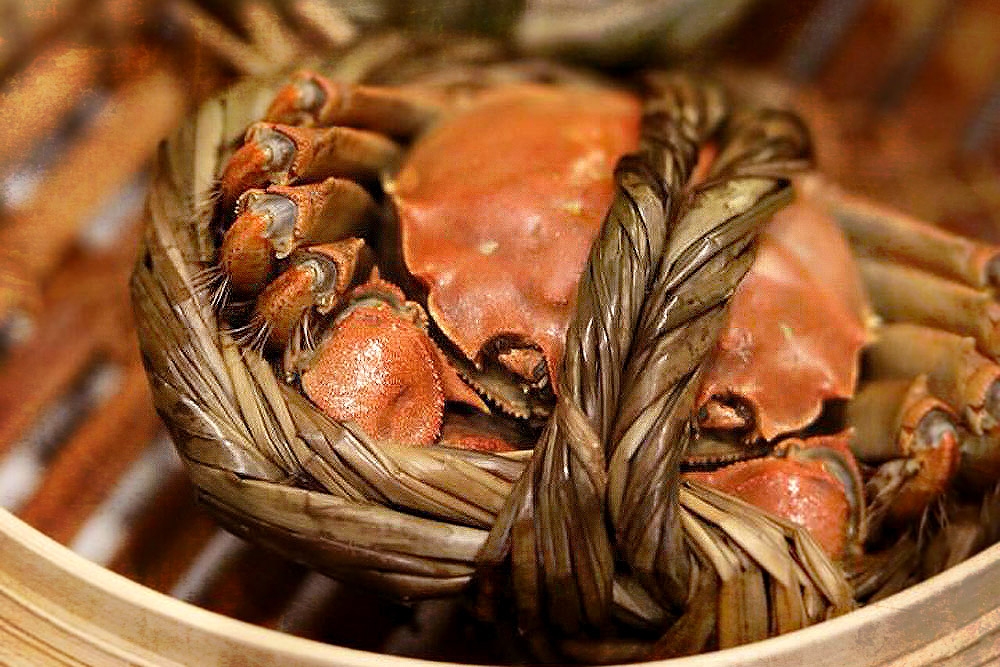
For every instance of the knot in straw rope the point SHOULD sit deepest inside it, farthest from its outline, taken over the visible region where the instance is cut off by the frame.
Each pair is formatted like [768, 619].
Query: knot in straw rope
[602, 488]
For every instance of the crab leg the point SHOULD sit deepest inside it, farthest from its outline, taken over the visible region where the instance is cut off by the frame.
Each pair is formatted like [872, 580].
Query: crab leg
[962, 377]
[903, 293]
[913, 435]
[284, 154]
[271, 223]
[881, 231]
[313, 99]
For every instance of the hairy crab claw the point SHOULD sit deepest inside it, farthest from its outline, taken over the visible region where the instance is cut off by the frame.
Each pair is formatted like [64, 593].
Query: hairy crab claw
[496, 225]
[271, 223]
[377, 366]
[814, 483]
[286, 154]
[797, 325]
[913, 438]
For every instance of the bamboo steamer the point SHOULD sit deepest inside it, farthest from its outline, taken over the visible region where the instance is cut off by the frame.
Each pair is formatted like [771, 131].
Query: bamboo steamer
[59, 608]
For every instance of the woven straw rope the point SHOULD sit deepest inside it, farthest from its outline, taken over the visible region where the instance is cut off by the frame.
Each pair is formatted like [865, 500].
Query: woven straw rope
[599, 526]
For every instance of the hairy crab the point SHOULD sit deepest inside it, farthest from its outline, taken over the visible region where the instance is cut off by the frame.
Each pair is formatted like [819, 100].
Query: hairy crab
[409, 250]
[475, 234]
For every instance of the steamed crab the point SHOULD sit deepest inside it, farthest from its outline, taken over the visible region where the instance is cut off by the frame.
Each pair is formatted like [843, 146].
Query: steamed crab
[412, 255]
[493, 307]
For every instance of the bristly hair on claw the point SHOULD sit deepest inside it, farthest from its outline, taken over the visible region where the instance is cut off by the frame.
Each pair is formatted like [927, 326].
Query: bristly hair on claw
[214, 282]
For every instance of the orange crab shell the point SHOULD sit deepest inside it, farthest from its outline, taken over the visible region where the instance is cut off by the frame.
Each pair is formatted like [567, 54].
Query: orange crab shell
[499, 205]
[377, 366]
[797, 324]
[797, 487]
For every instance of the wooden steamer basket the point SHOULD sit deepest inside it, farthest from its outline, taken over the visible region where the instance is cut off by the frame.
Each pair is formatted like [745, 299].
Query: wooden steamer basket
[416, 522]
[56, 604]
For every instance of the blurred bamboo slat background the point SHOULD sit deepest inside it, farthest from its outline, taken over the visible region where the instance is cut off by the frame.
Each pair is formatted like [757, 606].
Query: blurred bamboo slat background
[89, 87]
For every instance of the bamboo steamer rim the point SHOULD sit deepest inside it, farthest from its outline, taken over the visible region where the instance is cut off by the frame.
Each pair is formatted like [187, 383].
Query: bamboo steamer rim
[67, 603]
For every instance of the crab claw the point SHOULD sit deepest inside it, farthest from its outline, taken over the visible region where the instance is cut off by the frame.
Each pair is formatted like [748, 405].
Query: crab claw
[814, 483]
[378, 367]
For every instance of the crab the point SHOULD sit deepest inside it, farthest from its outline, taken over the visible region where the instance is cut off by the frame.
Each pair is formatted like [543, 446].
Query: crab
[413, 253]
[300, 193]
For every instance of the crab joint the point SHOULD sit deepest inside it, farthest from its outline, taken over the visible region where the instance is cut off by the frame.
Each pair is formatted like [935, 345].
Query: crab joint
[264, 155]
[318, 278]
[958, 374]
[913, 435]
[246, 254]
